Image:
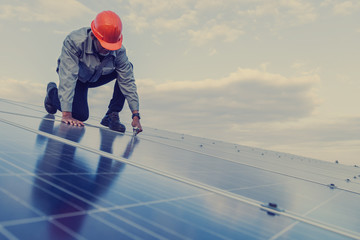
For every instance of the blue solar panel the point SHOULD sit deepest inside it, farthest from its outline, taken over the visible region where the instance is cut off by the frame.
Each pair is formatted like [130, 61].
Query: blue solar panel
[64, 182]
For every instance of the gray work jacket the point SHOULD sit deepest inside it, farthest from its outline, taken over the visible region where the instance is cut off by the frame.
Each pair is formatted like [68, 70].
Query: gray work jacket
[79, 61]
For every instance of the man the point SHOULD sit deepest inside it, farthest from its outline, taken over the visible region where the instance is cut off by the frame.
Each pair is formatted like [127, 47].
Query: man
[92, 57]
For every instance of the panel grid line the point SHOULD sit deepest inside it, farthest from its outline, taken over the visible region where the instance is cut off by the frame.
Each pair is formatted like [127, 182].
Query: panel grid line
[155, 224]
[252, 202]
[195, 211]
[7, 234]
[49, 192]
[89, 193]
[206, 154]
[305, 214]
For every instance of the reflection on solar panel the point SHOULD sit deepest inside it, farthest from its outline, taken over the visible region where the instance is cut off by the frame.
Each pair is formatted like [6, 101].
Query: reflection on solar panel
[63, 182]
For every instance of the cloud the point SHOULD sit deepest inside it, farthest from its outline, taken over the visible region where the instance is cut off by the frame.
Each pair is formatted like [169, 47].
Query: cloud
[223, 21]
[214, 4]
[255, 108]
[330, 130]
[24, 29]
[156, 7]
[245, 96]
[346, 7]
[328, 138]
[44, 11]
[282, 13]
[138, 23]
[163, 16]
[212, 52]
[22, 90]
[216, 31]
[186, 19]
[342, 8]
[145, 15]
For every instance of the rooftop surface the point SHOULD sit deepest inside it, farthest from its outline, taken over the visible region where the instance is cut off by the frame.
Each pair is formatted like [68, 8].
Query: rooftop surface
[63, 182]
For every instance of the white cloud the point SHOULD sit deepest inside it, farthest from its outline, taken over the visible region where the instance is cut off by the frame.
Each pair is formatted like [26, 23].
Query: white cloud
[22, 90]
[24, 29]
[346, 7]
[158, 15]
[302, 68]
[138, 23]
[252, 107]
[244, 96]
[162, 16]
[187, 19]
[8, 11]
[340, 7]
[45, 11]
[155, 7]
[222, 21]
[216, 20]
[282, 13]
[212, 52]
[217, 31]
[214, 4]
[58, 32]
[328, 139]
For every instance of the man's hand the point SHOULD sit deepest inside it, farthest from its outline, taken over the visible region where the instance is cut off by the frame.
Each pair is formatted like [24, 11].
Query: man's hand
[68, 119]
[136, 124]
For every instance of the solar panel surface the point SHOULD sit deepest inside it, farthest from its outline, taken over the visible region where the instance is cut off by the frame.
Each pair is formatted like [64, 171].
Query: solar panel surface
[63, 182]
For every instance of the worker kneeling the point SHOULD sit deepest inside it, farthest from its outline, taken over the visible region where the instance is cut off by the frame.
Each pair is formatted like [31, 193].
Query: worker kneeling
[91, 57]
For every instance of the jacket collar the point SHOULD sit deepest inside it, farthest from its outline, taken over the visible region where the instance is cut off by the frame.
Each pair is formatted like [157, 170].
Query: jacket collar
[89, 45]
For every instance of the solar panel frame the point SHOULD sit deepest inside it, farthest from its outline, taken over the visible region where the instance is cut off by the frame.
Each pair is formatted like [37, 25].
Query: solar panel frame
[133, 163]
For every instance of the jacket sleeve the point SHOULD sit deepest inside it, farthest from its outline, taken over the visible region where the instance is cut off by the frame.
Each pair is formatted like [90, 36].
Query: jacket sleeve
[126, 79]
[68, 74]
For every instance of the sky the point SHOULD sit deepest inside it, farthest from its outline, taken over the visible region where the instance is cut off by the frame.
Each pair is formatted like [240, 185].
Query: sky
[280, 75]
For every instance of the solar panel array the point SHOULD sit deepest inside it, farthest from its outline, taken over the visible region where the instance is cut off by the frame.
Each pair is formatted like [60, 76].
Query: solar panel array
[64, 182]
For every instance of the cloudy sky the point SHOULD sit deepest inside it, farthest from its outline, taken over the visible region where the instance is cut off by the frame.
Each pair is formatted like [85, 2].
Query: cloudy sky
[276, 74]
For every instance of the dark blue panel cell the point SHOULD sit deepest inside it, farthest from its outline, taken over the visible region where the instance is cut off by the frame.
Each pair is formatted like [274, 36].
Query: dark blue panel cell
[20, 162]
[298, 200]
[130, 227]
[222, 217]
[211, 217]
[13, 209]
[176, 224]
[40, 230]
[304, 231]
[94, 227]
[93, 188]
[41, 196]
[149, 223]
[91, 196]
[3, 170]
[342, 210]
[3, 237]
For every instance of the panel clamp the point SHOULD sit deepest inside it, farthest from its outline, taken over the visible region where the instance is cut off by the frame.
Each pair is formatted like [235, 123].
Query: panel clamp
[271, 209]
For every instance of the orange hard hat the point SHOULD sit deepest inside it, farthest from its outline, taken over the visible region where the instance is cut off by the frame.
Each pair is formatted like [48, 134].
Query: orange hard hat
[107, 28]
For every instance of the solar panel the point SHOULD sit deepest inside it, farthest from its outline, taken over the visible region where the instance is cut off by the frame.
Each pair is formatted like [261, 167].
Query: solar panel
[63, 182]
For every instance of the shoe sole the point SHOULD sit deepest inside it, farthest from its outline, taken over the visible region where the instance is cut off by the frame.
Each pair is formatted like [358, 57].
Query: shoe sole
[118, 130]
[48, 107]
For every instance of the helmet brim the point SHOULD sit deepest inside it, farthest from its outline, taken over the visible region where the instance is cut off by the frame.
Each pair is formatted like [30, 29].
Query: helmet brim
[111, 46]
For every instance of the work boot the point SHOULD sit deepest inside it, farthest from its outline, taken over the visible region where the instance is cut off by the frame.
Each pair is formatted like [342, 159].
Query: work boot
[47, 102]
[112, 121]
